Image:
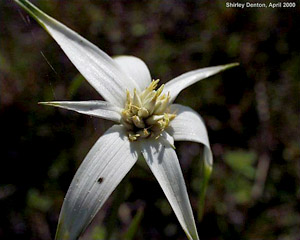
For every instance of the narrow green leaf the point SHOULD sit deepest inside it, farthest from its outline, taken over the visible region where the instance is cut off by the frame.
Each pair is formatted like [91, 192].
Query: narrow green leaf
[75, 84]
[133, 228]
[206, 172]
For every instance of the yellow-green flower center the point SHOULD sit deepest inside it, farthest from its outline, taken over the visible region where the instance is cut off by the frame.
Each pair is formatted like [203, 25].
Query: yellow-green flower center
[146, 114]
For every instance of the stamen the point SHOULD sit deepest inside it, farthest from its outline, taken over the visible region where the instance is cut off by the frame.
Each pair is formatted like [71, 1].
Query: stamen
[153, 119]
[138, 122]
[136, 99]
[159, 91]
[143, 112]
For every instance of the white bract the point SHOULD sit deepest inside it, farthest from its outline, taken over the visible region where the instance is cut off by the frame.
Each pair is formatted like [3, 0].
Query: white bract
[147, 123]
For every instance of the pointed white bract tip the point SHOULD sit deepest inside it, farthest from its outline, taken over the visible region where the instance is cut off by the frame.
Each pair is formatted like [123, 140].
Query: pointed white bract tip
[231, 65]
[49, 103]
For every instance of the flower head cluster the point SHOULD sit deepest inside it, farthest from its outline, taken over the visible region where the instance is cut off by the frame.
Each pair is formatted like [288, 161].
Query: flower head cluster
[141, 114]
[146, 114]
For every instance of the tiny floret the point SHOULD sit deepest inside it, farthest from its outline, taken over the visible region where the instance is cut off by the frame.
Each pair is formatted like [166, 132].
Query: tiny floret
[146, 114]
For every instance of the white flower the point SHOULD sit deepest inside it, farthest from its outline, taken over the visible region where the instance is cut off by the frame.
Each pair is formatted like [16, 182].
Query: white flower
[147, 123]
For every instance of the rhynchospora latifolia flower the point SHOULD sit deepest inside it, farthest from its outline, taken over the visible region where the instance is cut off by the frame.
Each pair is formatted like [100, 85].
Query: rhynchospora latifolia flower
[147, 123]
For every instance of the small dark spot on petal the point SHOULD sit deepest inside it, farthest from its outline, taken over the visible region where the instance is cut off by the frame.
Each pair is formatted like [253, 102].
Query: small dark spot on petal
[100, 180]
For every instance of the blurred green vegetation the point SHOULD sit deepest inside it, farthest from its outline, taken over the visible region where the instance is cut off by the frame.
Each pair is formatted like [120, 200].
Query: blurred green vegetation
[252, 115]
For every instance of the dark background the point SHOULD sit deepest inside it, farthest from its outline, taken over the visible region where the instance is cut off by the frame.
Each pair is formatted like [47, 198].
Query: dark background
[251, 112]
